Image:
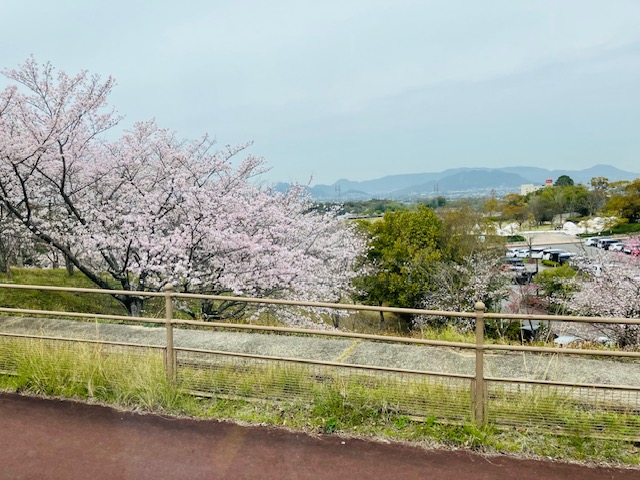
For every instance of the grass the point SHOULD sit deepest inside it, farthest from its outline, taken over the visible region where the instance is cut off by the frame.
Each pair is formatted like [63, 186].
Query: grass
[625, 228]
[68, 301]
[299, 397]
[88, 371]
[56, 301]
[621, 229]
[447, 333]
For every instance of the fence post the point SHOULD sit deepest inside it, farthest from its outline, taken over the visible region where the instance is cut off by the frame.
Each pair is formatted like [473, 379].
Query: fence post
[169, 360]
[480, 388]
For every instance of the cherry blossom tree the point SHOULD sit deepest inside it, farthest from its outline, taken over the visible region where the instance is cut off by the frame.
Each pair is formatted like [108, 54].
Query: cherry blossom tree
[149, 208]
[611, 290]
[458, 285]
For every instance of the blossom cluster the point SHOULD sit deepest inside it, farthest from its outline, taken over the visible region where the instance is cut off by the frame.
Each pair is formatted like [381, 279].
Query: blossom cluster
[150, 208]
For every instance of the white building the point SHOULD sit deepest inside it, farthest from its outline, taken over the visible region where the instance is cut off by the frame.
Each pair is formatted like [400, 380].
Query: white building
[528, 188]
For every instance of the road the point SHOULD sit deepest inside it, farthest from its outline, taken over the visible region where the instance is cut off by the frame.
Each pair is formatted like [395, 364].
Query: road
[52, 439]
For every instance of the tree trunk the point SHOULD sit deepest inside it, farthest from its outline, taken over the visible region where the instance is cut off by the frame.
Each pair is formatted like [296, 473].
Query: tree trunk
[6, 269]
[4, 264]
[134, 306]
[68, 264]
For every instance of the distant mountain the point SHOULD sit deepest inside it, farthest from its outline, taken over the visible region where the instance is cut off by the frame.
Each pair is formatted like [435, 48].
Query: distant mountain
[539, 175]
[464, 182]
[455, 182]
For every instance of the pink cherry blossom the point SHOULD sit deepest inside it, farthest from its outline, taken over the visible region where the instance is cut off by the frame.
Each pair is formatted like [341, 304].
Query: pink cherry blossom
[150, 208]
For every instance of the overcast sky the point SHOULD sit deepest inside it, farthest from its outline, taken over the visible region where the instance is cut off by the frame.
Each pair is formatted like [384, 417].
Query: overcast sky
[360, 89]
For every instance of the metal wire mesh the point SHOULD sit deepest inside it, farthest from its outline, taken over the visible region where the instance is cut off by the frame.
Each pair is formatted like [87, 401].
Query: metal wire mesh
[591, 411]
[277, 380]
[72, 364]
[83, 367]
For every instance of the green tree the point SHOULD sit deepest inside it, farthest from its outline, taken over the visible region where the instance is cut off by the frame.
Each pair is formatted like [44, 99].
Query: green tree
[514, 208]
[467, 232]
[417, 259]
[564, 181]
[625, 202]
[556, 287]
[491, 207]
[557, 200]
[401, 247]
[539, 207]
[597, 196]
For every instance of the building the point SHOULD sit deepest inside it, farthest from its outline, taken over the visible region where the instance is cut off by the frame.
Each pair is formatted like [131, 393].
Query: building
[528, 188]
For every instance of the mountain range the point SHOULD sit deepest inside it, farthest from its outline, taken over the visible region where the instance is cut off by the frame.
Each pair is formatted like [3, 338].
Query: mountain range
[455, 182]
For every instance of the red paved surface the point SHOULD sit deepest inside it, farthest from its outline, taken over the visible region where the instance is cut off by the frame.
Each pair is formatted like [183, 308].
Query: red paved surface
[49, 439]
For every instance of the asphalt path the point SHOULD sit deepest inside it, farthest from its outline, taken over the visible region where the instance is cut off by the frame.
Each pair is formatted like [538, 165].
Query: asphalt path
[52, 439]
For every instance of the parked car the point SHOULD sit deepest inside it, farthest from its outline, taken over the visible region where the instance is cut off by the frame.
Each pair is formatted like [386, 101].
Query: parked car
[522, 278]
[616, 247]
[591, 241]
[514, 265]
[629, 250]
[567, 340]
[514, 252]
[594, 269]
[552, 254]
[604, 243]
[533, 252]
[565, 257]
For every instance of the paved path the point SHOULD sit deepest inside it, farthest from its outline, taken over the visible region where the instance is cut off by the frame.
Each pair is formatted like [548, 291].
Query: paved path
[347, 351]
[51, 439]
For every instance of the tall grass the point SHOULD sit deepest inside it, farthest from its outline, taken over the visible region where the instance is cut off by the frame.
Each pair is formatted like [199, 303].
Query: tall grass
[293, 396]
[90, 371]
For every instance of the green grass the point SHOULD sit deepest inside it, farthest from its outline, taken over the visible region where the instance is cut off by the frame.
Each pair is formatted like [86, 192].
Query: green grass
[622, 229]
[67, 301]
[299, 397]
[572, 413]
[56, 301]
[625, 228]
[88, 371]
[447, 333]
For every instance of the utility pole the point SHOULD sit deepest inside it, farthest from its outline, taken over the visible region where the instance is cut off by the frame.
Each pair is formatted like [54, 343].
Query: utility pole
[435, 196]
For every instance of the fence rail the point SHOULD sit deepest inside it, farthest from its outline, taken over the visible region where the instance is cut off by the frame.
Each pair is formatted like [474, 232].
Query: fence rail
[595, 408]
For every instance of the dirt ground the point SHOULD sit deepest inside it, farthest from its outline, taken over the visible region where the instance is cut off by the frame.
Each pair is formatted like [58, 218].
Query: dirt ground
[52, 439]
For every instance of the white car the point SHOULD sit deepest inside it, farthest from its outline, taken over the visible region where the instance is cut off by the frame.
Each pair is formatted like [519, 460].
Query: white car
[513, 252]
[605, 242]
[591, 241]
[537, 252]
[616, 247]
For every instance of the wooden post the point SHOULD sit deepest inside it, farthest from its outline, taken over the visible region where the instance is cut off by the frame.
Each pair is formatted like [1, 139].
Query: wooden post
[169, 360]
[480, 389]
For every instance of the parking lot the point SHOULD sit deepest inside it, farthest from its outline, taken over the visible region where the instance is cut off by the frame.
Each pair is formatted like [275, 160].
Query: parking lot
[581, 255]
[580, 252]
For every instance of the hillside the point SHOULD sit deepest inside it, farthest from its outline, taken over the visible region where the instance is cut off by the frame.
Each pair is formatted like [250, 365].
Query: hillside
[455, 182]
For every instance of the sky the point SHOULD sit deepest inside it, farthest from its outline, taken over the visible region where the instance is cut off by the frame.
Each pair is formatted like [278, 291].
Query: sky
[360, 89]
